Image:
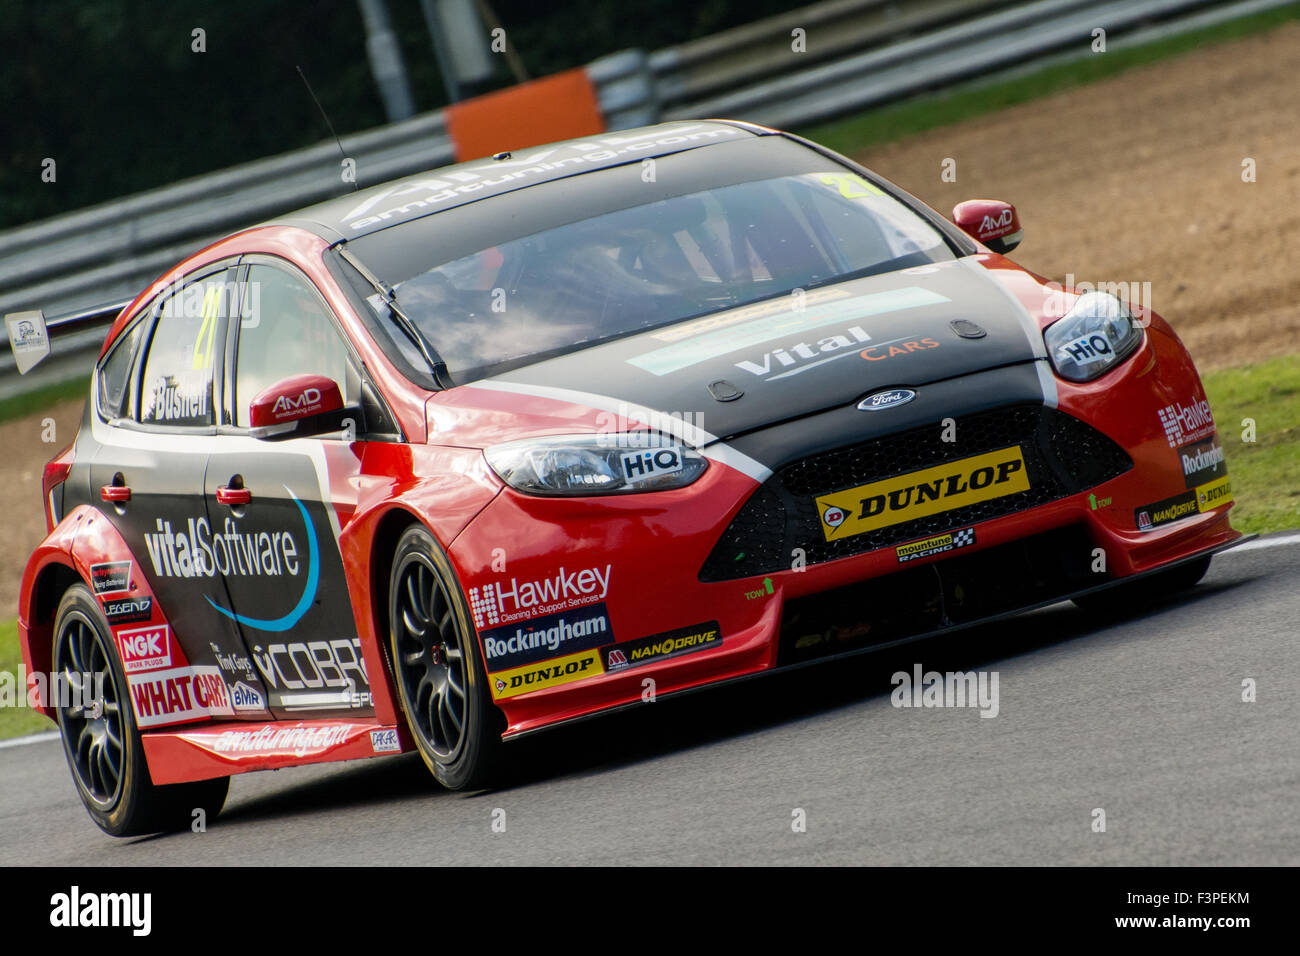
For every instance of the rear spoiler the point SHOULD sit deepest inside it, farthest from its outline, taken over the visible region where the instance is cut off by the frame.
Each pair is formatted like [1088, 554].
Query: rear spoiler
[31, 333]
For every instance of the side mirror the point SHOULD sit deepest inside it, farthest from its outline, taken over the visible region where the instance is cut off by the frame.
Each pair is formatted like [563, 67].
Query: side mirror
[991, 222]
[300, 406]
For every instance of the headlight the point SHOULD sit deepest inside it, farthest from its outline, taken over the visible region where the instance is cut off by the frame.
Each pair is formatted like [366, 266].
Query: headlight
[1096, 334]
[623, 463]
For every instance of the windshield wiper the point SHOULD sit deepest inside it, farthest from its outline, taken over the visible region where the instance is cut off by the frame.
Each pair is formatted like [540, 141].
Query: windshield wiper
[436, 365]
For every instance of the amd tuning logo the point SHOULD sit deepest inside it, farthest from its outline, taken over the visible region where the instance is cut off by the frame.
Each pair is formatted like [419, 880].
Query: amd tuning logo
[993, 225]
[286, 406]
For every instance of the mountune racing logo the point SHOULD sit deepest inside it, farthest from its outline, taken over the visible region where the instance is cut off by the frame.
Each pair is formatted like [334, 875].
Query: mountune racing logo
[198, 552]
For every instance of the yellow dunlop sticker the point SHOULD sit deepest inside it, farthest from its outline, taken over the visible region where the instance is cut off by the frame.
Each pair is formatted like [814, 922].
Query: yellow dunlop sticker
[917, 494]
[1212, 494]
[552, 673]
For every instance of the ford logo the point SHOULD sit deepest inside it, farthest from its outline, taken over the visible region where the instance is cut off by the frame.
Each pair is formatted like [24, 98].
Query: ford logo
[887, 399]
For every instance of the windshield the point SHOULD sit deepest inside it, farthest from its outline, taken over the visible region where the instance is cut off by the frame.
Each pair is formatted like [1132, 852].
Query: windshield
[654, 264]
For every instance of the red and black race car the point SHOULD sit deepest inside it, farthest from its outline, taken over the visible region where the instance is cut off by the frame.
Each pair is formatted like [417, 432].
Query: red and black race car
[478, 452]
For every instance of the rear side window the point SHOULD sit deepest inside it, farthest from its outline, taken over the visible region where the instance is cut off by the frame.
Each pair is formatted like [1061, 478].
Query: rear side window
[115, 374]
[176, 388]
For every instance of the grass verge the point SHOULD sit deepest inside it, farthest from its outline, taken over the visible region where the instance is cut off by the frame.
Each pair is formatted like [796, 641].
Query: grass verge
[1260, 402]
[20, 406]
[886, 124]
[15, 721]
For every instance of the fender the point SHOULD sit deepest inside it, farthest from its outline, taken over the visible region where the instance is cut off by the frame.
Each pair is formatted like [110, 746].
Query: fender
[82, 541]
[444, 488]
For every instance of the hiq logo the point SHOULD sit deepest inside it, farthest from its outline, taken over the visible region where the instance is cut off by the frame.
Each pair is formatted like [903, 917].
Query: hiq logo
[1086, 349]
[639, 466]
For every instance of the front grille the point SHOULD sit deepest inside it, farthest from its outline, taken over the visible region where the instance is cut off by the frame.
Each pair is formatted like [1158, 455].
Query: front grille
[961, 589]
[1063, 456]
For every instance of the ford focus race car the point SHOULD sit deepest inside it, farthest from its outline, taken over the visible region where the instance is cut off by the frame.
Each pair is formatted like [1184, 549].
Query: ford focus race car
[467, 455]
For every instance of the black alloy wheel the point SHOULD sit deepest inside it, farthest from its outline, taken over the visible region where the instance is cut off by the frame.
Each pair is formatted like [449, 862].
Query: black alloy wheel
[440, 681]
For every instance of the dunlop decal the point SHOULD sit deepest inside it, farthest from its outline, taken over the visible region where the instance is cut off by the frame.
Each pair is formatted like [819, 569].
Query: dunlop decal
[552, 673]
[918, 494]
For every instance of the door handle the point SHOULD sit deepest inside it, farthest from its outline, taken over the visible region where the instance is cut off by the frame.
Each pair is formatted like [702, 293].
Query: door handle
[233, 496]
[115, 493]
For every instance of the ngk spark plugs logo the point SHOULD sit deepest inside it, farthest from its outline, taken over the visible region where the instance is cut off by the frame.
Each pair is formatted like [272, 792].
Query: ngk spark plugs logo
[515, 600]
[145, 649]
[1184, 424]
[177, 695]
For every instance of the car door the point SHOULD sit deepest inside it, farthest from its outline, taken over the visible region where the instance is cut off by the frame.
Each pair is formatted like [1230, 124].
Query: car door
[278, 506]
[153, 428]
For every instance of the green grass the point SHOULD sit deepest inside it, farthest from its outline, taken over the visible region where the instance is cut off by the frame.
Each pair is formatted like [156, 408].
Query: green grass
[38, 401]
[17, 721]
[1266, 472]
[889, 123]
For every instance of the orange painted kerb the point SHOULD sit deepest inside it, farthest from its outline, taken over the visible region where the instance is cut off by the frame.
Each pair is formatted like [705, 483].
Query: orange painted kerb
[562, 106]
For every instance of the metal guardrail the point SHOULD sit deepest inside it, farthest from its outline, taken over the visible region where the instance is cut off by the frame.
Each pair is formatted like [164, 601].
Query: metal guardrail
[857, 54]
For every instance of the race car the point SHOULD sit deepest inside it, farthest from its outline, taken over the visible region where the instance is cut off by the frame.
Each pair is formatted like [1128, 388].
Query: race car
[461, 457]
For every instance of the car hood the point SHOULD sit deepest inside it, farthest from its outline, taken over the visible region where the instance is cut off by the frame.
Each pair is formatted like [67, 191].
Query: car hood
[735, 371]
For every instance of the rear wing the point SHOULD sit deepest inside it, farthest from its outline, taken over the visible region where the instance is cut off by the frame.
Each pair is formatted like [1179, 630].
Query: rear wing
[70, 342]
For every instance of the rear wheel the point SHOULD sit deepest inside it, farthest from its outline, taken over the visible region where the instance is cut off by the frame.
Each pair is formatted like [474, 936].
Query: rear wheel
[1135, 595]
[440, 680]
[100, 738]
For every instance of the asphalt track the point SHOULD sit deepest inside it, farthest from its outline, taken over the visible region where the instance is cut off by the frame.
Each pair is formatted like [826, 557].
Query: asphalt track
[1142, 717]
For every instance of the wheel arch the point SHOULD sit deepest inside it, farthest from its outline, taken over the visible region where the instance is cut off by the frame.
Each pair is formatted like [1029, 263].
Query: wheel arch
[47, 590]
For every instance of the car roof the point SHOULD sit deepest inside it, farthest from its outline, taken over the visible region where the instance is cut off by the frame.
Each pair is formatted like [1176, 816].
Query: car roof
[365, 211]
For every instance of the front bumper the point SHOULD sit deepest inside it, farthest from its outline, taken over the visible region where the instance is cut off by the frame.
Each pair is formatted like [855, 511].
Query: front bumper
[647, 556]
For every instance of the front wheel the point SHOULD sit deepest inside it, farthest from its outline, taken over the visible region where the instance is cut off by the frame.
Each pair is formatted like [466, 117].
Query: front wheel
[440, 681]
[100, 738]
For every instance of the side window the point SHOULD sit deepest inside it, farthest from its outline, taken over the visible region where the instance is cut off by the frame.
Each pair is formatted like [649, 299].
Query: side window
[285, 329]
[176, 388]
[115, 374]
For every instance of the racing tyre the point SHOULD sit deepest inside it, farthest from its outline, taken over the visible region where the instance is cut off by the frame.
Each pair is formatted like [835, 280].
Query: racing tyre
[100, 737]
[440, 679]
[1131, 597]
